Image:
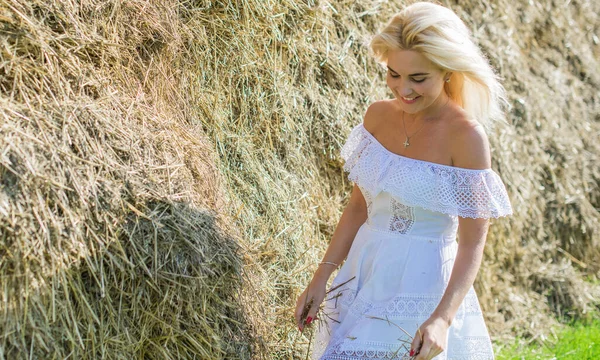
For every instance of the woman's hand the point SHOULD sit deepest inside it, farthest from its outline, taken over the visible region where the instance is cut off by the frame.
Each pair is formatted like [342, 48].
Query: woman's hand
[430, 340]
[308, 302]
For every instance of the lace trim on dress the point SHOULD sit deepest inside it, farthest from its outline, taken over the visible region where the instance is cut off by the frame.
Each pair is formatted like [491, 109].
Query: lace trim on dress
[465, 348]
[402, 218]
[405, 306]
[367, 350]
[447, 189]
[472, 348]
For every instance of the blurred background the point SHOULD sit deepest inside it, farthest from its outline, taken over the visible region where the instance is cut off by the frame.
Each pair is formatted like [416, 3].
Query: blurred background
[170, 172]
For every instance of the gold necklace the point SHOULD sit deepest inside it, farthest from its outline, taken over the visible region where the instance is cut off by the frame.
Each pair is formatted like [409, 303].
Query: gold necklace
[406, 142]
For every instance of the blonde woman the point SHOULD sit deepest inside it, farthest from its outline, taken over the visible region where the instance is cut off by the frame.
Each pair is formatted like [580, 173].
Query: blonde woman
[421, 168]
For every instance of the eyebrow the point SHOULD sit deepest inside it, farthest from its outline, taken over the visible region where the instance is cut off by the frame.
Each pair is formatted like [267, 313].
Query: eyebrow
[415, 74]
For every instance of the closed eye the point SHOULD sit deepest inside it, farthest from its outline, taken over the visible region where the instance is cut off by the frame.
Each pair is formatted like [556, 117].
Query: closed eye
[394, 75]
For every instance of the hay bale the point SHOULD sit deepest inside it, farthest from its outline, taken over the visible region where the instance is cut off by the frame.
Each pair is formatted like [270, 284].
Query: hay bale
[170, 172]
[112, 240]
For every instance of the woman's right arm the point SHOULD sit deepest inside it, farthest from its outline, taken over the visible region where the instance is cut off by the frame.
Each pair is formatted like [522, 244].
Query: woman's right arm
[354, 215]
[352, 218]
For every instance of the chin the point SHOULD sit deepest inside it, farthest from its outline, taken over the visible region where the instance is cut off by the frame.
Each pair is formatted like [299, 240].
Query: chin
[409, 109]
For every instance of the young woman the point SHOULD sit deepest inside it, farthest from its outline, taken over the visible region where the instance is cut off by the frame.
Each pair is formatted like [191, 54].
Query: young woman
[421, 168]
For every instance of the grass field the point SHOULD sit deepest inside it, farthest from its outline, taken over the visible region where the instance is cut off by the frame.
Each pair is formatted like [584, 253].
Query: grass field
[579, 341]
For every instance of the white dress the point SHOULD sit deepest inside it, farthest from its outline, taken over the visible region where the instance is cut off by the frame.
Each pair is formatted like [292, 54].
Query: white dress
[400, 261]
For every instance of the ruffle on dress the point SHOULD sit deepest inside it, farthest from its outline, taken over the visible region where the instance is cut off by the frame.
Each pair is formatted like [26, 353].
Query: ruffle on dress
[455, 191]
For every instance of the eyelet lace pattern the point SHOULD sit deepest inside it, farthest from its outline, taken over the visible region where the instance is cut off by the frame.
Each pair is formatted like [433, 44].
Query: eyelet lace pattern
[404, 306]
[472, 348]
[447, 189]
[402, 218]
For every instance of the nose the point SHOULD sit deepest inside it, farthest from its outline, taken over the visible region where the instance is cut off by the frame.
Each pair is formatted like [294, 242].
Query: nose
[405, 91]
[403, 87]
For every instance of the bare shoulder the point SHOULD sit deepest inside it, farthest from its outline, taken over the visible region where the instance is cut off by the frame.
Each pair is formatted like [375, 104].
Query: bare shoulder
[377, 112]
[470, 146]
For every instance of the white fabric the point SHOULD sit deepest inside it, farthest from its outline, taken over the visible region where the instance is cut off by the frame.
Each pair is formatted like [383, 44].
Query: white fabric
[448, 189]
[401, 258]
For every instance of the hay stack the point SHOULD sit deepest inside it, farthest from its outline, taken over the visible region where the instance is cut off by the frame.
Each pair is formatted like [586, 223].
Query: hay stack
[170, 171]
[112, 240]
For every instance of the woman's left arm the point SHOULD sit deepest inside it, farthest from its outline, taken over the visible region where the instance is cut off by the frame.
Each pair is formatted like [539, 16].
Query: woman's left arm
[472, 235]
[471, 151]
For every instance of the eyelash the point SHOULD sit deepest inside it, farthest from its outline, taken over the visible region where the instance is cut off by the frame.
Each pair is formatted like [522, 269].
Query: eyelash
[417, 81]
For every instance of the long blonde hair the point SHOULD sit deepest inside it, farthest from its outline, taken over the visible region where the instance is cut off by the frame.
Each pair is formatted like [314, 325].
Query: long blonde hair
[439, 34]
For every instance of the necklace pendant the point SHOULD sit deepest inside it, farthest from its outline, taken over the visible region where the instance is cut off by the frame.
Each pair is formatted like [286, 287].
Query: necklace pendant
[406, 143]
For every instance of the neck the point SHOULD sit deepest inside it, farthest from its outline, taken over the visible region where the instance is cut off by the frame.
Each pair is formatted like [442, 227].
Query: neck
[432, 110]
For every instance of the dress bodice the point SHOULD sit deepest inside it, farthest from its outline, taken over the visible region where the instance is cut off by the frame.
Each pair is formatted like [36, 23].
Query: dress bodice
[410, 196]
[387, 214]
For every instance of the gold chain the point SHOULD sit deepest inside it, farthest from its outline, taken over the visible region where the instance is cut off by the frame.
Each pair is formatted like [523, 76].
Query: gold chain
[406, 142]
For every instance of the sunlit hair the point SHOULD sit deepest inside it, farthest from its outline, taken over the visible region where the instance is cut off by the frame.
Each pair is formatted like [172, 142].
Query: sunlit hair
[439, 34]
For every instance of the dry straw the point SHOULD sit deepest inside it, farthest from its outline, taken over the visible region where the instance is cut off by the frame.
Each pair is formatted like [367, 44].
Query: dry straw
[170, 172]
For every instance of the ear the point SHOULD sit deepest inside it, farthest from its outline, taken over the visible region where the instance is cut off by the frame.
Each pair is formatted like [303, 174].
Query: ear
[447, 77]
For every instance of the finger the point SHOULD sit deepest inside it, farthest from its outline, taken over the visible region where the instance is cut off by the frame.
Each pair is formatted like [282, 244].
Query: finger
[298, 311]
[416, 343]
[299, 308]
[312, 313]
[424, 350]
[297, 317]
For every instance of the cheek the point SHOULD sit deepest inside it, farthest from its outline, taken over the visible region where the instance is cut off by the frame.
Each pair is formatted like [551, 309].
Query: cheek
[389, 81]
[430, 89]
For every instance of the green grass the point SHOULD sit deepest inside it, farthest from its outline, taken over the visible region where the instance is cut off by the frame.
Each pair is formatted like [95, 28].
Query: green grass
[579, 341]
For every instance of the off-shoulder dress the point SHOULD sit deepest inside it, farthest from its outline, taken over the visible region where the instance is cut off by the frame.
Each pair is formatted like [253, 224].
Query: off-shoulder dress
[400, 261]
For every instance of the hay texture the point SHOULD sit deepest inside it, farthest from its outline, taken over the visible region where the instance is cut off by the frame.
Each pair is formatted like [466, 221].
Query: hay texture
[112, 242]
[170, 171]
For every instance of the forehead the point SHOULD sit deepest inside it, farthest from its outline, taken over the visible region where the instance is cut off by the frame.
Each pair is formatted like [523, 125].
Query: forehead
[409, 61]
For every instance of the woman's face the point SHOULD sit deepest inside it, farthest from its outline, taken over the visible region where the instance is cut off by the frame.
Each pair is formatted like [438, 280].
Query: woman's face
[415, 81]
